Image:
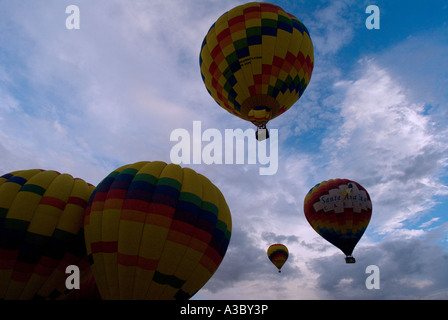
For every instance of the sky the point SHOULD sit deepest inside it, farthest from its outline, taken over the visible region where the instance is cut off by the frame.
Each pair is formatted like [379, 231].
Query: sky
[87, 101]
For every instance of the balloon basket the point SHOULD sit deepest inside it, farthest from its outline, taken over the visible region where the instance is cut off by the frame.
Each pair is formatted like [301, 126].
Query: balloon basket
[349, 259]
[262, 133]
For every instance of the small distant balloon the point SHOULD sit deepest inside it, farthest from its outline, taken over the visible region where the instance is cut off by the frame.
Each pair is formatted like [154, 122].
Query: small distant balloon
[339, 210]
[278, 254]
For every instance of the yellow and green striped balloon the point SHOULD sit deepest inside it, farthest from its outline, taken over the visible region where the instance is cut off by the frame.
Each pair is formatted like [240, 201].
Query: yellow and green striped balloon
[41, 232]
[256, 61]
[155, 231]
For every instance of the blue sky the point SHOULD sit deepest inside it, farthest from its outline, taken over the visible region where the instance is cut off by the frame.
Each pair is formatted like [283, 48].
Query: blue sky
[376, 111]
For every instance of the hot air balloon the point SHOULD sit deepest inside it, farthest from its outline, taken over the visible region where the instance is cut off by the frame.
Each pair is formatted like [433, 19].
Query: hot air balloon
[88, 290]
[278, 254]
[41, 232]
[339, 210]
[155, 231]
[256, 61]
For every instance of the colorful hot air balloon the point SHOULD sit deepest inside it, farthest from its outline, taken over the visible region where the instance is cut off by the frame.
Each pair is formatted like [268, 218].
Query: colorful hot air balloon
[256, 61]
[155, 231]
[41, 232]
[339, 210]
[278, 254]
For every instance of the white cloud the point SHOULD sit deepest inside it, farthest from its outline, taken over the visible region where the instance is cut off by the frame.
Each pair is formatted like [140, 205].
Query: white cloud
[113, 89]
[386, 143]
[419, 63]
[430, 222]
[331, 27]
[415, 283]
[7, 103]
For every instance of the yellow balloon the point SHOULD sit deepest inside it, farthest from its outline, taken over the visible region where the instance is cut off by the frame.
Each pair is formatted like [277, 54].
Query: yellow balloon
[155, 231]
[41, 232]
[256, 61]
[278, 254]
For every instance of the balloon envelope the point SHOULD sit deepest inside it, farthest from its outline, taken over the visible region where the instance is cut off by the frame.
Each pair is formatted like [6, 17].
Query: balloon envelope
[256, 61]
[41, 232]
[278, 254]
[339, 210]
[155, 231]
[88, 290]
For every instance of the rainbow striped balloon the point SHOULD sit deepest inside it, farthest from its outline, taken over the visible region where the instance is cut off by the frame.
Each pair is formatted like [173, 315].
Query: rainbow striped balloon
[41, 232]
[339, 210]
[155, 231]
[256, 61]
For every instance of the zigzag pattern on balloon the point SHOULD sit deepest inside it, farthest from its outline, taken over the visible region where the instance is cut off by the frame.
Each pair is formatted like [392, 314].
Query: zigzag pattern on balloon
[256, 61]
